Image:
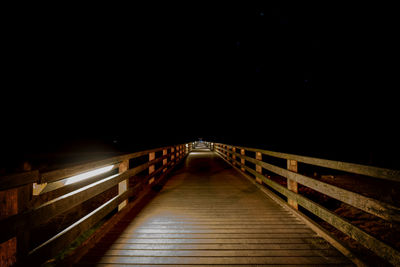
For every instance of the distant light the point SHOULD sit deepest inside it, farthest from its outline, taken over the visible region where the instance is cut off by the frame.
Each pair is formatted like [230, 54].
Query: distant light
[88, 174]
[261, 14]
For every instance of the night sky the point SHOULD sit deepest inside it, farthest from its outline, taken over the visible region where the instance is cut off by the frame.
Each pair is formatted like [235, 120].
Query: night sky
[312, 79]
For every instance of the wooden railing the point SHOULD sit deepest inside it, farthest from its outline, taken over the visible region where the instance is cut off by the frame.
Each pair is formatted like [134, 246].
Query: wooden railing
[32, 200]
[236, 156]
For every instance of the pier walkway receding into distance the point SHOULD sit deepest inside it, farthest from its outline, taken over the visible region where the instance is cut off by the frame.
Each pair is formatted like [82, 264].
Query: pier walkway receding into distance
[208, 213]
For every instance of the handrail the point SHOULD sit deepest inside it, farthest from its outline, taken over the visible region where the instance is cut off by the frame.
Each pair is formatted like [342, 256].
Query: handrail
[59, 174]
[383, 210]
[74, 195]
[376, 172]
[19, 179]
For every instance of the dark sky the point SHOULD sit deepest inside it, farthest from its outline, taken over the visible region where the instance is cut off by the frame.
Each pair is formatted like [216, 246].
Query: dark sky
[301, 78]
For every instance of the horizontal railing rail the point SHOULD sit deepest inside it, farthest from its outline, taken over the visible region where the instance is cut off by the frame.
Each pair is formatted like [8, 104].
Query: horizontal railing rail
[35, 199]
[372, 206]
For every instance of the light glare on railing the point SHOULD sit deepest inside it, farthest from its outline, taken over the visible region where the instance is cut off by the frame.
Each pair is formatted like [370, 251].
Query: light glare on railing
[88, 174]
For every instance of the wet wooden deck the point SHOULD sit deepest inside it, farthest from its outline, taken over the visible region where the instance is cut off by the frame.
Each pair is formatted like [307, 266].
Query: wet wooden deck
[208, 214]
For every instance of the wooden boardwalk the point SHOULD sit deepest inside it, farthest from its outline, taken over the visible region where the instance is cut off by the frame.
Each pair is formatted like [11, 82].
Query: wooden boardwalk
[208, 214]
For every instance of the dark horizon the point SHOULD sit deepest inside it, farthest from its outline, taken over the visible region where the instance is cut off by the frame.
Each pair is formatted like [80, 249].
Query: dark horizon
[310, 79]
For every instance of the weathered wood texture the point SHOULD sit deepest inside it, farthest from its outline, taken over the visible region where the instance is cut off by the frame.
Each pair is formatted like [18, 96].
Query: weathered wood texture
[383, 250]
[19, 179]
[370, 205]
[376, 172]
[207, 214]
[60, 196]
[291, 184]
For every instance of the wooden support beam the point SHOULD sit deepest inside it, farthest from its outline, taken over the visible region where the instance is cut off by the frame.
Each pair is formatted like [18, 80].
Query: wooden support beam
[242, 152]
[123, 185]
[8, 207]
[292, 185]
[234, 156]
[15, 201]
[172, 155]
[258, 167]
[165, 160]
[152, 156]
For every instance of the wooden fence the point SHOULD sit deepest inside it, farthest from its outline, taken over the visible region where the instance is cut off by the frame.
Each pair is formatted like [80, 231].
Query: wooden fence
[32, 200]
[236, 156]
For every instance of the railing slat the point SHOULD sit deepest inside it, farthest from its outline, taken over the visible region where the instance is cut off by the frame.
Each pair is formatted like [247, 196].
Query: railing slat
[19, 179]
[370, 242]
[60, 174]
[370, 205]
[51, 247]
[376, 172]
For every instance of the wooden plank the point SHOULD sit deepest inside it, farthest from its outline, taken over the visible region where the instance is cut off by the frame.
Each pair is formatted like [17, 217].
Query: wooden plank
[212, 236]
[217, 220]
[383, 250]
[58, 242]
[213, 223]
[43, 213]
[382, 173]
[314, 226]
[217, 241]
[224, 253]
[231, 221]
[208, 265]
[132, 193]
[59, 174]
[238, 246]
[19, 179]
[221, 231]
[51, 192]
[222, 260]
[80, 251]
[63, 186]
[60, 205]
[220, 226]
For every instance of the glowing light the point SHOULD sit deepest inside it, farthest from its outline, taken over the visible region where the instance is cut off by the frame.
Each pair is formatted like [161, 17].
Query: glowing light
[88, 174]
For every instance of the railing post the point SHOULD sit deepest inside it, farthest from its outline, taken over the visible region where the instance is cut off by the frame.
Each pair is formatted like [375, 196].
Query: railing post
[292, 185]
[14, 201]
[258, 167]
[152, 156]
[242, 161]
[123, 186]
[165, 160]
[233, 156]
[173, 155]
